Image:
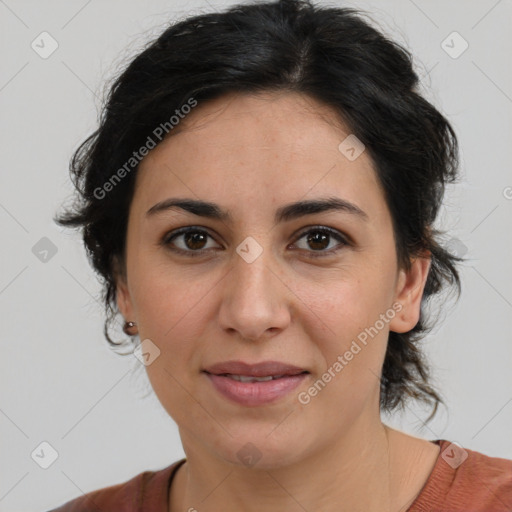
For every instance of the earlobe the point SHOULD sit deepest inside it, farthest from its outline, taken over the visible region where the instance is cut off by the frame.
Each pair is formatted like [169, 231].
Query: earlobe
[409, 293]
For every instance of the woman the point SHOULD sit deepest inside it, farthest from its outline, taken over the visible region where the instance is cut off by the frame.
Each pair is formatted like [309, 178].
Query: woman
[260, 200]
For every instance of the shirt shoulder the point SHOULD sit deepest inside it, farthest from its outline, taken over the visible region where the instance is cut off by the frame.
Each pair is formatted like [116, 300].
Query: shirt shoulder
[466, 480]
[145, 491]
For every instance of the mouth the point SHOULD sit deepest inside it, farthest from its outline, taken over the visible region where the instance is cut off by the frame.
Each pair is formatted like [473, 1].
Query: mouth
[251, 391]
[250, 378]
[264, 369]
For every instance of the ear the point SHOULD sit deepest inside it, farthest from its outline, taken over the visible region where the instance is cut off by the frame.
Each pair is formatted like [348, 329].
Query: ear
[123, 297]
[409, 292]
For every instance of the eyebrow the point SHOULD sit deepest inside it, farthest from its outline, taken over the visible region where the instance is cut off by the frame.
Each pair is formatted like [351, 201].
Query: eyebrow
[285, 213]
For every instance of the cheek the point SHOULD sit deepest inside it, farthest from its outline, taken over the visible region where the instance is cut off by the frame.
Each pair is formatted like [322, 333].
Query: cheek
[169, 299]
[348, 322]
[172, 314]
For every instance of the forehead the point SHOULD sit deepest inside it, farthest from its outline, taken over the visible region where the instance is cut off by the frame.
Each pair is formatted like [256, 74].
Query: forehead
[271, 121]
[276, 146]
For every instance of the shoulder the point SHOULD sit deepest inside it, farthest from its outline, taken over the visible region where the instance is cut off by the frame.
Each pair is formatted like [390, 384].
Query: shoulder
[147, 489]
[464, 480]
[488, 478]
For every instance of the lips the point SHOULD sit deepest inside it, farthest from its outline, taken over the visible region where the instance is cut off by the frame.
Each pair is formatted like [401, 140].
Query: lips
[253, 394]
[256, 384]
[273, 369]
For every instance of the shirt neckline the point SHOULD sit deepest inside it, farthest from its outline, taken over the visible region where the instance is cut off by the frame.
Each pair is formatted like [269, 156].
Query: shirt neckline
[428, 492]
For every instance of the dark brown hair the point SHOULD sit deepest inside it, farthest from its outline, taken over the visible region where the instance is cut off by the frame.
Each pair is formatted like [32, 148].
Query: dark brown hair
[334, 56]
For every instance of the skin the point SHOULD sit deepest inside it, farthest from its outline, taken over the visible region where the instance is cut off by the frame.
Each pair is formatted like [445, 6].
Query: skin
[250, 155]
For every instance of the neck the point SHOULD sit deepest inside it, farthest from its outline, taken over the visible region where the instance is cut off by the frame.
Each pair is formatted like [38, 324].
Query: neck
[369, 468]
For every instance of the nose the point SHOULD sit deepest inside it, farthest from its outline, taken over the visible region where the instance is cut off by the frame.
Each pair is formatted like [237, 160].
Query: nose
[255, 299]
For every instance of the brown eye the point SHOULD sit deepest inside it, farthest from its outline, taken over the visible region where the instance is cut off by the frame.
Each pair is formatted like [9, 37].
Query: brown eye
[195, 240]
[319, 240]
[188, 240]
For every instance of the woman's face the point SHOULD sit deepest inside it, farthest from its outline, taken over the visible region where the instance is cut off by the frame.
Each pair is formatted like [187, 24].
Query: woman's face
[265, 288]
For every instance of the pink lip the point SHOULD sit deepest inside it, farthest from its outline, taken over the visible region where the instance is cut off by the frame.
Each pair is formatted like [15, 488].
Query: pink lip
[261, 369]
[255, 393]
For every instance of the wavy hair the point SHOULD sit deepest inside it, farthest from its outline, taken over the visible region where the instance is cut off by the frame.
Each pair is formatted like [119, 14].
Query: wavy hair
[332, 55]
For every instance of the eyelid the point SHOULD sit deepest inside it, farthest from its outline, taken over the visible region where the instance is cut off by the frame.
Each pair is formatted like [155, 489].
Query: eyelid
[339, 236]
[321, 227]
[343, 239]
[171, 235]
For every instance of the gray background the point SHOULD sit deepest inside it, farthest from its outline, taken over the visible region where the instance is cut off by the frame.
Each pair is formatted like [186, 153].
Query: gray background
[59, 381]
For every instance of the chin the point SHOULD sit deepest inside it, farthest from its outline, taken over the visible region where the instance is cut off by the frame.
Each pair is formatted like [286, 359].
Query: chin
[261, 451]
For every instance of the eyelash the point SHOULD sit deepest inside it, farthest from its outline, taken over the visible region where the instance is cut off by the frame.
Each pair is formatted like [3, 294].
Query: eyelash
[169, 237]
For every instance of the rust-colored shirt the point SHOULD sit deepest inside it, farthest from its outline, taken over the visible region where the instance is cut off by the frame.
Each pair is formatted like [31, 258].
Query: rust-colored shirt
[462, 480]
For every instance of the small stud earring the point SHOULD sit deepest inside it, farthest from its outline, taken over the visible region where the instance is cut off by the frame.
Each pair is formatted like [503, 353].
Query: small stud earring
[128, 328]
